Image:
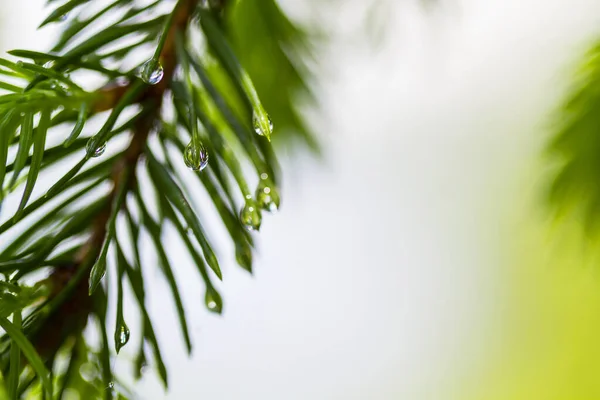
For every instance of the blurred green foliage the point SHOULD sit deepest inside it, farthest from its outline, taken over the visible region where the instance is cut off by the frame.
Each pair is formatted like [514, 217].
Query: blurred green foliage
[575, 148]
[274, 52]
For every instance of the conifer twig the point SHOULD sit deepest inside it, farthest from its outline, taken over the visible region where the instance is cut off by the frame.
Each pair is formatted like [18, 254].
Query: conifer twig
[78, 306]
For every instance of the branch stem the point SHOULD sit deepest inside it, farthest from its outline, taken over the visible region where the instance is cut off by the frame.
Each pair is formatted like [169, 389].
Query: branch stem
[151, 98]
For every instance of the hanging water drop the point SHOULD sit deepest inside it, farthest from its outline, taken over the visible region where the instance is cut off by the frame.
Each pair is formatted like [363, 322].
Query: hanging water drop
[142, 370]
[48, 64]
[121, 81]
[151, 72]
[262, 124]
[250, 215]
[121, 336]
[95, 152]
[88, 371]
[195, 156]
[141, 365]
[213, 300]
[63, 17]
[111, 388]
[267, 195]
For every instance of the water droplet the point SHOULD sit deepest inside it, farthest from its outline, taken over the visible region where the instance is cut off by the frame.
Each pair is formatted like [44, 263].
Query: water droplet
[121, 336]
[141, 366]
[205, 4]
[63, 17]
[98, 151]
[243, 256]
[250, 216]
[88, 371]
[49, 64]
[195, 157]
[267, 195]
[213, 300]
[124, 335]
[151, 72]
[262, 124]
[121, 81]
[111, 388]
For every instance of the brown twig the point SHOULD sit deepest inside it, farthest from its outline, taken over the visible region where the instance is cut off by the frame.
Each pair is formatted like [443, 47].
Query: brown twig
[70, 317]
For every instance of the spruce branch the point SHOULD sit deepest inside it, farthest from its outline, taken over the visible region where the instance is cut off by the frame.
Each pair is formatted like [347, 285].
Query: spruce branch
[70, 227]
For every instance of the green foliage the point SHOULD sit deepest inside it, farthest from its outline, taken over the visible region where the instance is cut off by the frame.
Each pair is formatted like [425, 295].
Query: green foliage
[197, 104]
[262, 35]
[576, 147]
